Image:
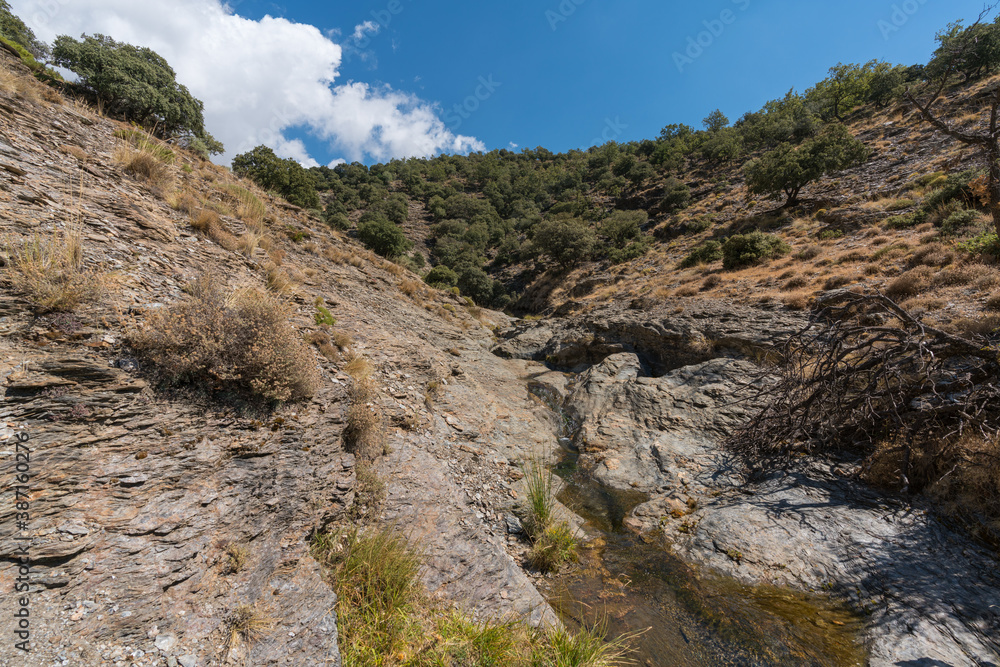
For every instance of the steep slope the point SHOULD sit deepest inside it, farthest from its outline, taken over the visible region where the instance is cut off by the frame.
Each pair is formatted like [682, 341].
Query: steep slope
[137, 497]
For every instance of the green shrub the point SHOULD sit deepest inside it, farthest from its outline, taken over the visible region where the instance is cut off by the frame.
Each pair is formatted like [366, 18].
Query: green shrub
[706, 253]
[633, 250]
[337, 220]
[955, 187]
[324, 316]
[927, 179]
[441, 277]
[382, 236]
[565, 239]
[744, 250]
[906, 220]
[134, 82]
[697, 225]
[240, 344]
[286, 178]
[985, 243]
[14, 31]
[959, 220]
[622, 227]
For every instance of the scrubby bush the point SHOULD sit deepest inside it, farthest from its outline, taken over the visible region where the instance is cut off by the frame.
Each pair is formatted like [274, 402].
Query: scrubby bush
[706, 253]
[382, 236]
[744, 250]
[15, 30]
[676, 195]
[441, 277]
[787, 169]
[622, 227]
[239, 344]
[565, 239]
[337, 220]
[959, 220]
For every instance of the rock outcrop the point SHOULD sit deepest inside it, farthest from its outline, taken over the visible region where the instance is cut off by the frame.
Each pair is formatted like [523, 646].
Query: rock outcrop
[930, 594]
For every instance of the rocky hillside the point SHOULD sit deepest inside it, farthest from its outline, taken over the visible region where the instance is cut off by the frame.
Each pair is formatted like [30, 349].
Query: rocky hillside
[138, 497]
[156, 513]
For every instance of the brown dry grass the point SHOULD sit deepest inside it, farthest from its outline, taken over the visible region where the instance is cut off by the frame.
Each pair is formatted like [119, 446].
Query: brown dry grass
[51, 273]
[364, 432]
[960, 474]
[210, 224]
[237, 344]
[911, 283]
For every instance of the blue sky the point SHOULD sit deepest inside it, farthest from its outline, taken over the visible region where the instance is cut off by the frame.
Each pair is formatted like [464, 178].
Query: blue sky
[369, 80]
[564, 75]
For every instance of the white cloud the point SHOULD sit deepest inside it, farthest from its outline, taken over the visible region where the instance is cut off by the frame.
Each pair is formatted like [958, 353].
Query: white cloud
[364, 28]
[260, 78]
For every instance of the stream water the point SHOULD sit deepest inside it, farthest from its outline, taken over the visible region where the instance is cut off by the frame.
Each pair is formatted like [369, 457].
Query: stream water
[687, 617]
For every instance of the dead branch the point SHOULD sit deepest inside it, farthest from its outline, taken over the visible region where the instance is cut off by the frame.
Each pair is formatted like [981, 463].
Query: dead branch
[865, 371]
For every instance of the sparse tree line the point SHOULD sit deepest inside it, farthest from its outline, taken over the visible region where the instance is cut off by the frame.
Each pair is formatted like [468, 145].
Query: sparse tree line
[493, 214]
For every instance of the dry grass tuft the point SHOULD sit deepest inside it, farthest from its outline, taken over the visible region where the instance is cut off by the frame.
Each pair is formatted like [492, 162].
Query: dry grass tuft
[246, 625]
[237, 556]
[146, 159]
[210, 224]
[248, 207]
[910, 284]
[277, 279]
[50, 272]
[411, 287]
[183, 201]
[364, 433]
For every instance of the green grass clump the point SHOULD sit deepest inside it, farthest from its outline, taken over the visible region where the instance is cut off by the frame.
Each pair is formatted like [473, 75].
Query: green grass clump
[324, 316]
[386, 619]
[706, 253]
[744, 250]
[556, 545]
[553, 542]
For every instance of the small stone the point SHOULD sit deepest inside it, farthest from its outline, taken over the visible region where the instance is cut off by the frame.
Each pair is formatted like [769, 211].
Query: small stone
[165, 642]
[188, 661]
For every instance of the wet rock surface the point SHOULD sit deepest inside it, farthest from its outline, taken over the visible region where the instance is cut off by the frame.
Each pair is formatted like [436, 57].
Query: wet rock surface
[930, 594]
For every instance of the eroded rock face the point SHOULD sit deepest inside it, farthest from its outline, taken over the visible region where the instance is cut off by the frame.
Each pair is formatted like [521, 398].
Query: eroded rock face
[663, 340]
[136, 501]
[930, 593]
[137, 493]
